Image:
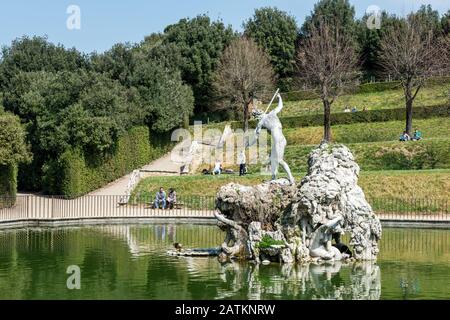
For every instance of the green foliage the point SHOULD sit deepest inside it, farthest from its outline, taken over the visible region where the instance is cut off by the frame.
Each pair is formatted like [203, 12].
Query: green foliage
[37, 54]
[13, 148]
[200, 43]
[166, 101]
[73, 174]
[275, 31]
[361, 116]
[268, 241]
[336, 12]
[8, 184]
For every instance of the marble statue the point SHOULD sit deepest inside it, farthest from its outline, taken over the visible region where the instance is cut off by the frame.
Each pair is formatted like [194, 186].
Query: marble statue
[271, 122]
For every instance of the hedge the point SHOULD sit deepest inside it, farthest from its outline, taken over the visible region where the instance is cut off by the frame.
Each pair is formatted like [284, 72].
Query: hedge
[363, 88]
[314, 120]
[412, 155]
[8, 185]
[73, 174]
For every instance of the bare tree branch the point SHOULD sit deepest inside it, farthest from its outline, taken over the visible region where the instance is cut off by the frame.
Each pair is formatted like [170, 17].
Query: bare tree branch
[244, 73]
[327, 61]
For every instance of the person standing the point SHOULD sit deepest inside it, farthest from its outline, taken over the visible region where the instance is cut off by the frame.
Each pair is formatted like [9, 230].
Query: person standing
[241, 161]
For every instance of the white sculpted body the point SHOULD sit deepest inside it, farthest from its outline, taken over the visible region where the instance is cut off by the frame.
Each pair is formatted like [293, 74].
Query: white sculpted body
[271, 122]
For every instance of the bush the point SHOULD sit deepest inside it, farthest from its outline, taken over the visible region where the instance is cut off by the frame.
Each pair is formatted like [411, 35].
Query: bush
[363, 88]
[358, 117]
[73, 174]
[8, 185]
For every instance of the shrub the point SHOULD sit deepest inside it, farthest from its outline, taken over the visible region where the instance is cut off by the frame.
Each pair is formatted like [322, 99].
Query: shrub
[358, 117]
[363, 88]
[73, 174]
[8, 184]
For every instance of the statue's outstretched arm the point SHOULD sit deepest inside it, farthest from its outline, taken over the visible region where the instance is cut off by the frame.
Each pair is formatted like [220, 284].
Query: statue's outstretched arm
[280, 105]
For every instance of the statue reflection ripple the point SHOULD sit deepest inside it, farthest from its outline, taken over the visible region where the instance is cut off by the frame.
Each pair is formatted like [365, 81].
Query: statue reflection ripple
[336, 280]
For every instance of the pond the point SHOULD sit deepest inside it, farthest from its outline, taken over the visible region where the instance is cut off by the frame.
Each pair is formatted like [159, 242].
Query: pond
[130, 262]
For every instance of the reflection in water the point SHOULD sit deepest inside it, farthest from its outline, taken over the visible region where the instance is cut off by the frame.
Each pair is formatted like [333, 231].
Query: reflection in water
[129, 262]
[360, 280]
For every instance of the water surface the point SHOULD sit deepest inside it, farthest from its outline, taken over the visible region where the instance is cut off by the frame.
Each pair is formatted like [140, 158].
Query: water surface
[130, 262]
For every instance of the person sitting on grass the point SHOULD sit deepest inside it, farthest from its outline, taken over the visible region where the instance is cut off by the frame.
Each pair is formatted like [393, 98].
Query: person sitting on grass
[404, 136]
[160, 198]
[417, 135]
[172, 198]
[217, 168]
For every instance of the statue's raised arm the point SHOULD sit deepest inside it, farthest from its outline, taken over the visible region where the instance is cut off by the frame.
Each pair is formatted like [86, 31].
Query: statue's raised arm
[280, 105]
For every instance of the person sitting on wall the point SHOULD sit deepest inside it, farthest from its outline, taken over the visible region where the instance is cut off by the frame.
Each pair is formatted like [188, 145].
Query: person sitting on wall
[347, 109]
[160, 198]
[417, 135]
[404, 136]
[217, 168]
[354, 110]
[172, 198]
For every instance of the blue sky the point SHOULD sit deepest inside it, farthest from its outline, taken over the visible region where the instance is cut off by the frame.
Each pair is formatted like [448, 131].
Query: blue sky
[104, 23]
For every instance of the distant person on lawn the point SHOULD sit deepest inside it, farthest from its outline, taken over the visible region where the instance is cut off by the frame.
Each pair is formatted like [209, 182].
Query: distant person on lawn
[241, 161]
[217, 168]
[404, 136]
[172, 198]
[160, 198]
[417, 135]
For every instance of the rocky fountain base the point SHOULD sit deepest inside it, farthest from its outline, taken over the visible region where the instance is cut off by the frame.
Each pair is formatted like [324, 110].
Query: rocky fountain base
[276, 221]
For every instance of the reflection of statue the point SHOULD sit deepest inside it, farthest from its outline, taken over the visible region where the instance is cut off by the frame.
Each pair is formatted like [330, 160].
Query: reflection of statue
[271, 122]
[331, 280]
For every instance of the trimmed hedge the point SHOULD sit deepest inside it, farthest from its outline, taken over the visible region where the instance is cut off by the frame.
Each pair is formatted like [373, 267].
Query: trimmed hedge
[396, 155]
[8, 185]
[383, 115]
[363, 88]
[73, 174]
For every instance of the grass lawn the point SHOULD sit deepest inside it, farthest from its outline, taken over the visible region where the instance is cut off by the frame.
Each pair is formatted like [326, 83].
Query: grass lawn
[380, 187]
[428, 96]
[368, 132]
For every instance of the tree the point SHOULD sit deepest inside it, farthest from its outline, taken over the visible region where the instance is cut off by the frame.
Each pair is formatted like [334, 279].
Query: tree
[200, 43]
[412, 53]
[243, 74]
[37, 54]
[369, 42]
[445, 23]
[327, 61]
[276, 31]
[117, 63]
[429, 18]
[337, 13]
[13, 148]
[165, 99]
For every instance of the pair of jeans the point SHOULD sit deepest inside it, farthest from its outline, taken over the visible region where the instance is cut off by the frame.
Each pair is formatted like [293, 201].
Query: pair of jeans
[242, 169]
[162, 201]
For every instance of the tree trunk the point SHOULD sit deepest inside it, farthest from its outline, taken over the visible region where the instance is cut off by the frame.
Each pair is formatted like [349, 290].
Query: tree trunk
[409, 107]
[326, 121]
[245, 117]
[409, 117]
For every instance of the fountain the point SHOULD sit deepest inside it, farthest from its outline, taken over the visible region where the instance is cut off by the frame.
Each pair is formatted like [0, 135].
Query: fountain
[278, 221]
